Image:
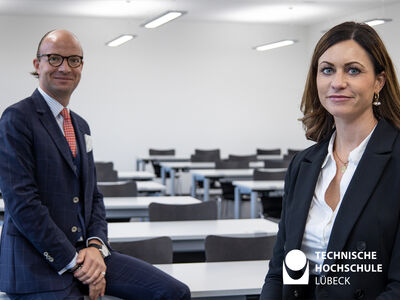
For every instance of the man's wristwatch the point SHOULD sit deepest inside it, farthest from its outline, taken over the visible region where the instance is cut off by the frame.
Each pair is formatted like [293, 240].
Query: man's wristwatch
[103, 249]
[75, 268]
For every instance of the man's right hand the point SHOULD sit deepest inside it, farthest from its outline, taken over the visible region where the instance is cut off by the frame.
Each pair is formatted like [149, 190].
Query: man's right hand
[97, 290]
[93, 268]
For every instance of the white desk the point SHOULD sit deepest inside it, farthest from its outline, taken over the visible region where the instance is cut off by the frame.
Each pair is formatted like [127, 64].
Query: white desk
[142, 186]
[127, 207]
[252, 187]
[150, 186]
[190, 235]
[220, 280]
[172, 167]
[205, 175]
[141, 161]
[135, 175]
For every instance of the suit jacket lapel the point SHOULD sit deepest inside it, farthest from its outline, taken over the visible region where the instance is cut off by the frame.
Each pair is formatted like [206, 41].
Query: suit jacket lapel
[49, 122]
[307, 177]
[362, 185]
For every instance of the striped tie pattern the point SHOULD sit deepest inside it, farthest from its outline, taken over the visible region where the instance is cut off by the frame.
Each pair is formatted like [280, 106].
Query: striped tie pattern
[69, 131]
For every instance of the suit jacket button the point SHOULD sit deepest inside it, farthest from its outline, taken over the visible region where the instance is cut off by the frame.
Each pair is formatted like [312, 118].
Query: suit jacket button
[296, 293]
[74, 229]
[46, 254]
[75, 199]
[359, 294]
[51, 259]
[361, 246]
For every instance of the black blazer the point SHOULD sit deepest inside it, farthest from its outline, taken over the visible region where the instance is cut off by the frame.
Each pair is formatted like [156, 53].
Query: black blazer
[368, 220]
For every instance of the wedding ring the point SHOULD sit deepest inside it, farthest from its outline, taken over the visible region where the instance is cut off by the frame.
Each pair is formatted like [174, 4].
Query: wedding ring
[103, 273]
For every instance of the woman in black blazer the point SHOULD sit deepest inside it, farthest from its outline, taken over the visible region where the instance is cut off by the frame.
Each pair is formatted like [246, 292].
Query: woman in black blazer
[341, 209]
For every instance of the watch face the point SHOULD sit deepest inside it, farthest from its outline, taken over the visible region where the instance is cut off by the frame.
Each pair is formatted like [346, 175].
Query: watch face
[104, 251]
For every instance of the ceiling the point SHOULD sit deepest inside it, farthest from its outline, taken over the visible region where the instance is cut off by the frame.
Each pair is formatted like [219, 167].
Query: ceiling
[302, 12]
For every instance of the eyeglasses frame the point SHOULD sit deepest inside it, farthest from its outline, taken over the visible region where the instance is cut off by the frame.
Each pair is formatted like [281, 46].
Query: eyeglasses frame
[62, 61]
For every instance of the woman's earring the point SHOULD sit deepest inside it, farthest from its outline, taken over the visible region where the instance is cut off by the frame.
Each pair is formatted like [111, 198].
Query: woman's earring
[376, 101]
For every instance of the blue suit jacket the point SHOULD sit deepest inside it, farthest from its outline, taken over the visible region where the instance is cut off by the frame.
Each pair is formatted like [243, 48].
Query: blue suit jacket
[37, 174]
[368, 220]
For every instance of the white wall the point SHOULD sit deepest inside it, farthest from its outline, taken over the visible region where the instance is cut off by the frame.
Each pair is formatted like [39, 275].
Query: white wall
[183, 85]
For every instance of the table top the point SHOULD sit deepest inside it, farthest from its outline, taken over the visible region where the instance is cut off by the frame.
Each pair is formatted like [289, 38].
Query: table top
[215, 279]
[223, 172]
[147, 186]
[203, 165]
[138, 175]
[187, 158]
[142, 186]
[260, 185]
[190, 230]
[164, 158]
[144, 202]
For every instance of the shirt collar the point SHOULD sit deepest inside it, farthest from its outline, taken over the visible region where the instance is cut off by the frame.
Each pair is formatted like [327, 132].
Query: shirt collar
[354, 156]
[55, 106]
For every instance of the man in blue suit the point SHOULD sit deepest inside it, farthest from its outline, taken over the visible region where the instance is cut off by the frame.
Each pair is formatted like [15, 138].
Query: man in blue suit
[54, 241]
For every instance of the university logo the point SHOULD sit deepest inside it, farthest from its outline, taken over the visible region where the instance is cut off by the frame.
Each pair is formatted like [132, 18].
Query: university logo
[295, 268]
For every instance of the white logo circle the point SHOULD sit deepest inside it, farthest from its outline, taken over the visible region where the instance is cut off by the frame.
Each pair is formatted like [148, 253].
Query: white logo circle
[295, 260]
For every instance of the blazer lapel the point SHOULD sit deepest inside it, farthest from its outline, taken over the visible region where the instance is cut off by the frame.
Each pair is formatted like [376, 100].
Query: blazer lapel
[303, 193]
[49, 122]
[362, 185]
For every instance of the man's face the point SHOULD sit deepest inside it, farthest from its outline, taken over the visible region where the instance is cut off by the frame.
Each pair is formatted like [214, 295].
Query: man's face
[58, 82]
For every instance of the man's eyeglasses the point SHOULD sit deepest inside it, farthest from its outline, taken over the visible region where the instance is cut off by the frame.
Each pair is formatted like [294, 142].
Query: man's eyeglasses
[57, 60]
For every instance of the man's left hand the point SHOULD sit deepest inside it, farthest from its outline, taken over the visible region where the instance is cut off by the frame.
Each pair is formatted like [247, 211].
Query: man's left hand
[97, 290]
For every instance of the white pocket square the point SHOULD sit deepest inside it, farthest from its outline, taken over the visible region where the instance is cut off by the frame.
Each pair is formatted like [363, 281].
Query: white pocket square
[89, 143]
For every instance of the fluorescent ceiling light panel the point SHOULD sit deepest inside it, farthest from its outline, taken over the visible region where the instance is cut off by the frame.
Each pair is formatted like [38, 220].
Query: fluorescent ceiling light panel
[166, 17]
[120, 40]
[375, 22]
[275, 45]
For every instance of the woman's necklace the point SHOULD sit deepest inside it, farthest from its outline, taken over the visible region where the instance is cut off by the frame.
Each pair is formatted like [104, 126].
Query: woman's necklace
[344, 164]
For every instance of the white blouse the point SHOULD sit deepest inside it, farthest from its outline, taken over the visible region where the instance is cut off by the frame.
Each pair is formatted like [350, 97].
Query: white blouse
[320, 216]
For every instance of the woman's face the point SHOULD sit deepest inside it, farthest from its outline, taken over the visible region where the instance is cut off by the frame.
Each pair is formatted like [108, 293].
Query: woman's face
[346, 81]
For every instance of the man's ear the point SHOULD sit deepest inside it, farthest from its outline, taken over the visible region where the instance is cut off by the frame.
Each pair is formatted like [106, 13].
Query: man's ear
[36, 65]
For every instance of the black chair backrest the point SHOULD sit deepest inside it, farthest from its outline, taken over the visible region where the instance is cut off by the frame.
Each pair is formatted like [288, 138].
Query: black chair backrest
[276, 163]
[268, 151]
[231, 164]
[185, 212]
[213, 154]
[159, 152]
[156, 164]
[105, 171]
[252, 157]
[125, 189]
[268, 175]
[203, 158]
[154, 251]
[222, 248]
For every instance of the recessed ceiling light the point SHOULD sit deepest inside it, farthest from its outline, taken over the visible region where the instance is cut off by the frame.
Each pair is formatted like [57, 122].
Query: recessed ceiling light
[375, 22]
[275, 45]
[164, 18]
[120, 40]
